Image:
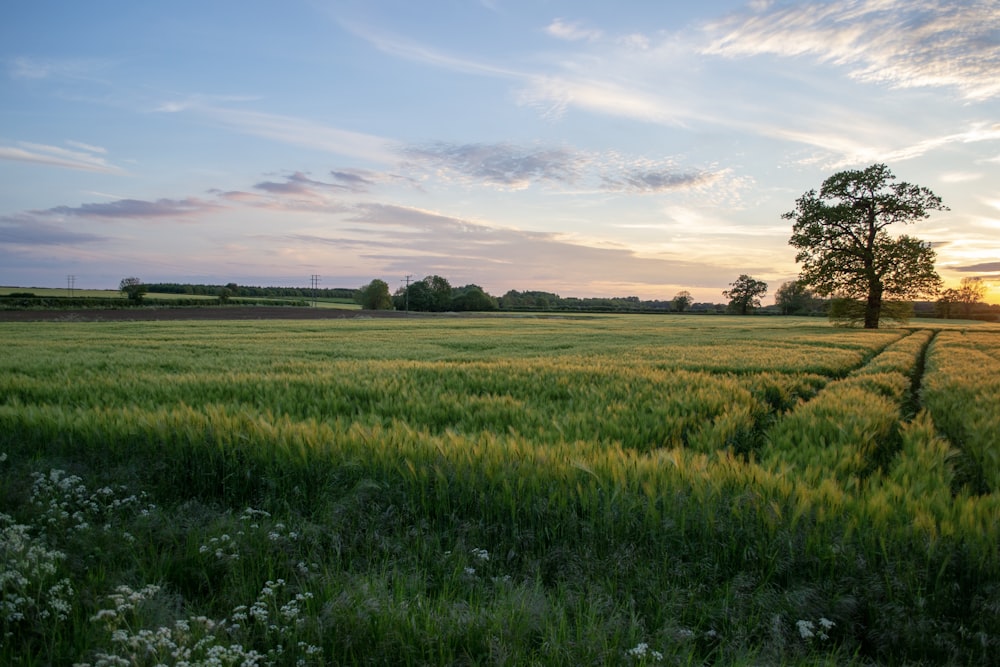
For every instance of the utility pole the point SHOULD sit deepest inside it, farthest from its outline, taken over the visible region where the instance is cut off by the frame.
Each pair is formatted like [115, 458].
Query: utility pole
[406, 294]
[70, 284]
[314, 283]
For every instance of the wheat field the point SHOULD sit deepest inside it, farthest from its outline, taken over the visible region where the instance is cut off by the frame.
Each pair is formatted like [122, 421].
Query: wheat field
[500, 490]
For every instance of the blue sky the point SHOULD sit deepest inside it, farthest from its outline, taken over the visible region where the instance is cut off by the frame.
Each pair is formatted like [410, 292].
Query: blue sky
[583, 148]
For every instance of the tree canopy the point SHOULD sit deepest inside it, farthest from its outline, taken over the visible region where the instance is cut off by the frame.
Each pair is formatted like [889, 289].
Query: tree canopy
[844, 248]
[795, 298]
[960, 301]
[745, 293]
[682, 301]
[133, 288]
[374, 296]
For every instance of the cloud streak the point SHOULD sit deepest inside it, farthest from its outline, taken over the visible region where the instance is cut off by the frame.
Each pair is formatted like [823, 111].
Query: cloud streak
[904, 43]
[29, 231]
[85, 158]
[301, 132]
[514, 167]
[572, 31]
[134, 209]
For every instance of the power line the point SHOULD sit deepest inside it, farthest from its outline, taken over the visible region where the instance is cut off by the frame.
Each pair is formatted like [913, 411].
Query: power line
[406, 294]
[314, 283]
[70, 284]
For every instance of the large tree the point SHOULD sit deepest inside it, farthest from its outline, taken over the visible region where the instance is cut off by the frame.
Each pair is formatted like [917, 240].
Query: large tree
[844, 247]
[744, 294]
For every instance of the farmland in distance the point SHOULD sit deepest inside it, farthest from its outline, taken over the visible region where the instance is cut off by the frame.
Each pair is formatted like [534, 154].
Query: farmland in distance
[499, 490]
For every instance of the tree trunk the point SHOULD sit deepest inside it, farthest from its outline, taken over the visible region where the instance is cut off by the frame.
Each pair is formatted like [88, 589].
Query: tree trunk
[873, 309]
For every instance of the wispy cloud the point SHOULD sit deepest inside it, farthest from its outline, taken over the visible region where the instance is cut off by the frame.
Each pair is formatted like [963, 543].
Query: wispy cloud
[134, 209]
[985, 267]
[85, 158]
[555, 93]
[343, 181]
[502, 165]
[561, 29]
[399, 46]
[27, 230]
[513, 167]
[26, 67]
[905, 43]
[664, 180]
[295, 184]
[301, 132]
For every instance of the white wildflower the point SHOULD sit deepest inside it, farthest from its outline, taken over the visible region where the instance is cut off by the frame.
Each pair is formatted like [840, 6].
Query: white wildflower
[640, 650]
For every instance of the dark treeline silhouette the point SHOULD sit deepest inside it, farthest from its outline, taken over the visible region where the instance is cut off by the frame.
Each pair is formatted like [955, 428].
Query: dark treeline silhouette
[435, 294]
[535, 300]
[234, 290]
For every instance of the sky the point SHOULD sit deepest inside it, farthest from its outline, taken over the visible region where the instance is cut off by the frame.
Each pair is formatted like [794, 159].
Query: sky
[591, 149]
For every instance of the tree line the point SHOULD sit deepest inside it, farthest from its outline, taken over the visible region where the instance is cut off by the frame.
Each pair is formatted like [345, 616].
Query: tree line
[246, 291]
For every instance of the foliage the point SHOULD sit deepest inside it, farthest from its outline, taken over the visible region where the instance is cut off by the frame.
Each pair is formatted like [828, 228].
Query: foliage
[744, 294]
[133, 289]
[795, 298]
[587, 490]
[953, 302]
[432, 294]
[682, 301]
[250, 291]
[844, 247]
[962, 392]
[374, 296]
[472, 298]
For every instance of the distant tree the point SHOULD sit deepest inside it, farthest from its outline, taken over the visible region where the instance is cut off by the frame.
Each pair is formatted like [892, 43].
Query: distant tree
[374, 296]
[844, 247]
[133, 289]
[433, 293]
[744, 294]
[440, 290]
[947, 304]
[472, 298]
[225, 293]
[795, 298]
[682, 301]
[970, 292]
[415, 296]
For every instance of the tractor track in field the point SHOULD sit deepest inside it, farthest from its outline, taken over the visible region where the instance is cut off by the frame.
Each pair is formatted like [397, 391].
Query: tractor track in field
[919, 369]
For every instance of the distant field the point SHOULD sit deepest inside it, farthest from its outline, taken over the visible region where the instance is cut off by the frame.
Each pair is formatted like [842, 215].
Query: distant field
[53, 291]
[164, 296]
[501, 490]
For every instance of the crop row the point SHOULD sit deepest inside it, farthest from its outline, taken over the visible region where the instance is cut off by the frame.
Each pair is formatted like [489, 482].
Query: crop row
[851, 428]
[961, 390]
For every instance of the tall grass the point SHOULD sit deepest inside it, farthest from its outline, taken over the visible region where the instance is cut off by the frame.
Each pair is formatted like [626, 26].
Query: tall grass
[487, 492]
